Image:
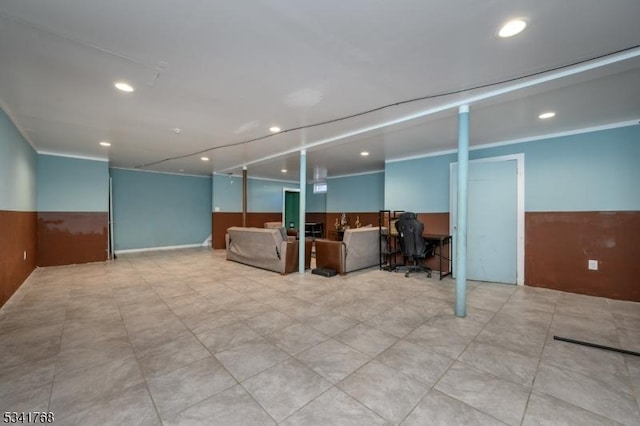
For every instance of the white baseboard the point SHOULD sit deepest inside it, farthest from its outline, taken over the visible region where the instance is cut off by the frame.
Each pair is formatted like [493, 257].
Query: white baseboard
[157, 248]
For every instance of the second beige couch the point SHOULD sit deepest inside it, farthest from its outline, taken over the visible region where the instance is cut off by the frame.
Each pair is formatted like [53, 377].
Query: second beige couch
[359, 249]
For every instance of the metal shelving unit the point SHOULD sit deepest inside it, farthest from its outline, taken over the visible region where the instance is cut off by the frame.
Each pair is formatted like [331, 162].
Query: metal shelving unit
[389, 247]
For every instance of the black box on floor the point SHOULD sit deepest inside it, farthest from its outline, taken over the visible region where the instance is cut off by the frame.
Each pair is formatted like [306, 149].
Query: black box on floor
[325, 272]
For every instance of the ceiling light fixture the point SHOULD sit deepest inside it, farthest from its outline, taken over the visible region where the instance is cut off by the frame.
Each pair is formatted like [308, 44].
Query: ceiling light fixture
[105, 143]
[546, 115]
[177, 130]
[511, 28]
[284, 170]
[204, 158]
[274, 129]
[121, 85]
[364, 153]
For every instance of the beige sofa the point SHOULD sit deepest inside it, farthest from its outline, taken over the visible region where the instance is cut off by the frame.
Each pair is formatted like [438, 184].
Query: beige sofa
[359, 248]
[264, 248]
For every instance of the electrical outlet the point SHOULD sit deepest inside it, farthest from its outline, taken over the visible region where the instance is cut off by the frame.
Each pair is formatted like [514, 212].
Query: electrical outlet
[593, 265]
[216, 209]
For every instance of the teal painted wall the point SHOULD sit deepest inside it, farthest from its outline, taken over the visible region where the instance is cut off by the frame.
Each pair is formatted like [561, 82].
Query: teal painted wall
[159, 210]
[266, 195]
[18, 169]
[420, 185]
[227, 193]
[72, 185]
[595, 171]
[598, 171]
[315, 203]
[361, 193]
[262, 195]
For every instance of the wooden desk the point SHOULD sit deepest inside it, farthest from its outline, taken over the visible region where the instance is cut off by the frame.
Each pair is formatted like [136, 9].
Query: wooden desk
[440, 241]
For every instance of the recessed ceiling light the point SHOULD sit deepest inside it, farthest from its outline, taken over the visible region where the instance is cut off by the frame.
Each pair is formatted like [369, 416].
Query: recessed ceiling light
[546, 115]
[274, 129]
[364, 153]
[204, 158]
[105, 143]
[511, 28]
[177, 130]
[121, 85]
[284, 170]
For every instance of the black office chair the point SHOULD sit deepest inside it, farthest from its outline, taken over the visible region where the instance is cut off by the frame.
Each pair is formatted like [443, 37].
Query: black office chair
[412, 245]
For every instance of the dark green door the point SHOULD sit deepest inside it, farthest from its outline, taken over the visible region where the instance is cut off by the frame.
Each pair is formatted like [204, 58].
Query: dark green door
[291, 209]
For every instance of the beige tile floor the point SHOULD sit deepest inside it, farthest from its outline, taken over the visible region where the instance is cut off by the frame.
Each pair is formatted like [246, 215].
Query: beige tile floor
[185, 337]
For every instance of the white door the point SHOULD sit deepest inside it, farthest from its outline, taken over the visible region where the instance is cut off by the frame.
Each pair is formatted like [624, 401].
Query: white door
[493, 219]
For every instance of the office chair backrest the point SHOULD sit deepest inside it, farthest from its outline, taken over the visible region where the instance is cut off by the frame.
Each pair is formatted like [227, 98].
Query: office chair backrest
[410, 235]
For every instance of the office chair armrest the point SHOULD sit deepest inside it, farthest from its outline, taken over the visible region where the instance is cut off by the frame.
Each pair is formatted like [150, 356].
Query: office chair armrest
[331, 255]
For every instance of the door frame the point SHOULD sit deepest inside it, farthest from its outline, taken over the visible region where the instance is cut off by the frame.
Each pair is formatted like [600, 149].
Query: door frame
[284, 199]
[520, 176]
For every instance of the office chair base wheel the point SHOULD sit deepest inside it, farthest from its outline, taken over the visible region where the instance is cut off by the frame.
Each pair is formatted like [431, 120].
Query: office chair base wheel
[406, 274]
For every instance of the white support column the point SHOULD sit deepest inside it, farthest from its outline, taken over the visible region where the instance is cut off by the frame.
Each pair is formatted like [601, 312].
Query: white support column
[303, 209]
[461, 225]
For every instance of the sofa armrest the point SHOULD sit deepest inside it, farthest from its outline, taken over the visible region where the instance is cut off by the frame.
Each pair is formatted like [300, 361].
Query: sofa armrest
[331, 255]
[308, 246]
[290, 256]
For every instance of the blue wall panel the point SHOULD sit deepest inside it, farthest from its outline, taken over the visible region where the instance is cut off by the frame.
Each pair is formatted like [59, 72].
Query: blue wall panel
[360, 193]
[315, 203]
[227, 193]
[595, 171]
[159, 210]
[72, 185]
[263, 195]
[266, 195]
[420, 185]
[18, 169]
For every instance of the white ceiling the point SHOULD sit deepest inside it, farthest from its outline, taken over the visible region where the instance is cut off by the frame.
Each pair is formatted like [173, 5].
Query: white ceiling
[224, 72]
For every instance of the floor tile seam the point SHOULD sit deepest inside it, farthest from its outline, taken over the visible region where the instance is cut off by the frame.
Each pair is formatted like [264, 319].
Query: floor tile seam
[541, 393]
[313, 400]
[337, 386]
[472, 339]
[325, 341]
[149, 394]
[136, 357]
[528, 388]
[344, 343]
[631, 387]
[600, 382]
[55, 366]
[433, 388]
[257, 402]
[406, 334]
[176, 414]
[535, 377]
[304, 350]
[457, 359]
[398, 373]
[109, 396]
